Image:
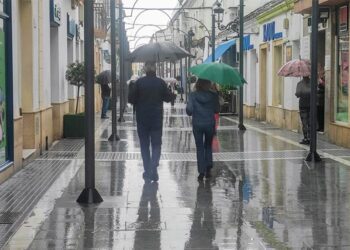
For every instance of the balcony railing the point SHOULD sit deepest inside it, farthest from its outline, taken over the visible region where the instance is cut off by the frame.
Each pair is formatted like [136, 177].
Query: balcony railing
[304, 6]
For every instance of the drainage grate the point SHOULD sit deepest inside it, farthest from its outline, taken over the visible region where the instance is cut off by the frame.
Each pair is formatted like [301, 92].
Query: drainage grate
[187, 128]
[69, 145]
[59, 155]
[226, 156]
[9, 217]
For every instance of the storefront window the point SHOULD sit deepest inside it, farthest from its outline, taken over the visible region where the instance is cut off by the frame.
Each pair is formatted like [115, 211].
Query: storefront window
[342, 90]
[3, 128]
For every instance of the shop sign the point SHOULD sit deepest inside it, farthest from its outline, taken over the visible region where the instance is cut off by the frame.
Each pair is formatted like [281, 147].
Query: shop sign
[270, 32]
[3, 115]
[55, 13]
[343, 18]
[77, 33]
[71, 27]
[246, 43]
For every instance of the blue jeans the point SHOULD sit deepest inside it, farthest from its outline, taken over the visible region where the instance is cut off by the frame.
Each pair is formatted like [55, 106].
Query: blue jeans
[150, 136]
[105, 105]
[203, 136]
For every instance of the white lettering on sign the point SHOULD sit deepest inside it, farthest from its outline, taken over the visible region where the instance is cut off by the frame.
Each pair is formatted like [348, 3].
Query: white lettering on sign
[57, 13]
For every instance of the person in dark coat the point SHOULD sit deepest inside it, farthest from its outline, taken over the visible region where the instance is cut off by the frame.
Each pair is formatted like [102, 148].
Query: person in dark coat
[130, 91]
[148, 96]
[106, 95]
[303, 92]
[104, 78]
[202, 106]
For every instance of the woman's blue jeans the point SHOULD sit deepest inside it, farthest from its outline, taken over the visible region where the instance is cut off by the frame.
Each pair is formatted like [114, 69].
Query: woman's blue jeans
[105, 105]
[203, 135]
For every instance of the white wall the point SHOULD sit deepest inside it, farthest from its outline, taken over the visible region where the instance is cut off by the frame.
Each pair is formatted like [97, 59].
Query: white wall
[291, 37]
[45, 55]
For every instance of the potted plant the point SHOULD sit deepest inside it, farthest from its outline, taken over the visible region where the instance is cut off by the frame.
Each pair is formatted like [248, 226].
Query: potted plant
[74, 124]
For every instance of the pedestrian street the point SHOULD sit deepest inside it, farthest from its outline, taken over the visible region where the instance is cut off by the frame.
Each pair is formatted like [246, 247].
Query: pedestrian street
[262, 194]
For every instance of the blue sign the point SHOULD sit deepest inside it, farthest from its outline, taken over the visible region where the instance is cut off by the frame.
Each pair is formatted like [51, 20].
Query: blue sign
[55, 13]
[246, 43]
[270, 32]
[71, 27]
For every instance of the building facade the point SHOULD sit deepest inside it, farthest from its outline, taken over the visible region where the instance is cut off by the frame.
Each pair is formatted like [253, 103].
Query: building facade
[276, 32]
[38, 40]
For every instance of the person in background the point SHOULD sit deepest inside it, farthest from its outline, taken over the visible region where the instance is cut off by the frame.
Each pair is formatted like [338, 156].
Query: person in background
[106, 96]
[148, 96]
[131, 84]
[303, 92]
[202, 105]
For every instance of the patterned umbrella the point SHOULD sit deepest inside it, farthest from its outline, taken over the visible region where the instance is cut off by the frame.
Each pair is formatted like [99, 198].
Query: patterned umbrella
[296, 68]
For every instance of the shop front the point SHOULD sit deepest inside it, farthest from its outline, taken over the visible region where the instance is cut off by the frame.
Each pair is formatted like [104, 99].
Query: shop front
[338, 91]
[333, 67]
[6, 104]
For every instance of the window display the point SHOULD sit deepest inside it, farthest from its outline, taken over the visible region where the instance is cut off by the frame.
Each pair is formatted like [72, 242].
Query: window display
[342, 92]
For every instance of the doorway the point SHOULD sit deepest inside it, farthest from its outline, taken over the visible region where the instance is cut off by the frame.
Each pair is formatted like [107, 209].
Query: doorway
[263, 85]
[278, 88]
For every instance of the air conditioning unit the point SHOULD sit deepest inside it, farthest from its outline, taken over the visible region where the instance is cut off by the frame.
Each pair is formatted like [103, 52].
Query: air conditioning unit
[321, 25]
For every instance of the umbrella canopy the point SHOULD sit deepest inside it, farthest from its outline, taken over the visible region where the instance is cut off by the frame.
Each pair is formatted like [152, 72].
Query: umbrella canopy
[296, 68]
[220, 73]
[158, 52]
[104, 78]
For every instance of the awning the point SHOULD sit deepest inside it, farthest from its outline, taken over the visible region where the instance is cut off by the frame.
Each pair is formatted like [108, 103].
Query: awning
[220, 50]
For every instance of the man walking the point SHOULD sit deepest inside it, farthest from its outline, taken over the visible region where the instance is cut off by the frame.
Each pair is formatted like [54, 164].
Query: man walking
[104, 79]
[148, 96]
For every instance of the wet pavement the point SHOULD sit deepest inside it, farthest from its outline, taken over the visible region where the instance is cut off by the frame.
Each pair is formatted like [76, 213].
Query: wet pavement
[262, 194]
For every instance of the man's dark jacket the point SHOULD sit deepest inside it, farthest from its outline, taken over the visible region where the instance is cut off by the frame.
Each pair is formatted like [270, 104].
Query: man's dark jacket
[105, 90]
[303, 92]
[148, 95]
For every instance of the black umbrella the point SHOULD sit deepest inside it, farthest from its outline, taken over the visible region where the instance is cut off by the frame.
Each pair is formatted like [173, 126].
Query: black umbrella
[158, 52]
[104, 78]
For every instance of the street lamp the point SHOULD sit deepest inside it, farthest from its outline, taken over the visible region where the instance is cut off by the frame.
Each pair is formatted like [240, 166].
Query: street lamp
[219, 11]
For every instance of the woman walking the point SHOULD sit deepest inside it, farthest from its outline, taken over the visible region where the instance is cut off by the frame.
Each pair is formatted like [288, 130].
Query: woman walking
[202, 106]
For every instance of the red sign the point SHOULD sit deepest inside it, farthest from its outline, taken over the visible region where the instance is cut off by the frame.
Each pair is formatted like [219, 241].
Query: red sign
[343, 18]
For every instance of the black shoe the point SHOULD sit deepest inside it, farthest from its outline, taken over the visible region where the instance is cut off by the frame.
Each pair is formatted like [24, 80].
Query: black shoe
[304, 141]
[200, 177]
[208, 173]
[104, 117]
[155, 176]
[146, 177]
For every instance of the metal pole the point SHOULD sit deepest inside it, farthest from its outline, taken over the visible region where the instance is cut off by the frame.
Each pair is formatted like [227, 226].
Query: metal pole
[189, 60]
[114, 136]
[122, 63]
[241, 48]
[185, 68]
[313, 155]
[213, 37]
[181, 75]
[89, 194]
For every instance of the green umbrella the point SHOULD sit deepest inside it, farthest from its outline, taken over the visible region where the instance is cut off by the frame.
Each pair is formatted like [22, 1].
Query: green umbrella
[220, 73]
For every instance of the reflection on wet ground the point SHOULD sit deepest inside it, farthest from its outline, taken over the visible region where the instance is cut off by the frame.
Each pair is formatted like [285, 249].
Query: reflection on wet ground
[277, 203]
